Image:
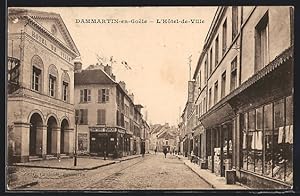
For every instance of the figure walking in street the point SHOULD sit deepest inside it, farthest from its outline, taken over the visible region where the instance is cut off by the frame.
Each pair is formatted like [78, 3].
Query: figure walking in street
[165, 151]
[155, 150]
[143, 151]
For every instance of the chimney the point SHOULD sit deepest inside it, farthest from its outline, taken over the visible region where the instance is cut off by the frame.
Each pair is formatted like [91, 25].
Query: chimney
[77, 65]
[108, 70]
[131, 97]
[113, 77]
[123, 85]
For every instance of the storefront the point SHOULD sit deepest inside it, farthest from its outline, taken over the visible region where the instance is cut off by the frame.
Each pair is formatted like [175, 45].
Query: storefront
[108, 142]
[265, 134]
[219, 139]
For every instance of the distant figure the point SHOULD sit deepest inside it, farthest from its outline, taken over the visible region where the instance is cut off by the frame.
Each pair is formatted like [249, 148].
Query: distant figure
[143, 152]
[165, 151]
[155, 150]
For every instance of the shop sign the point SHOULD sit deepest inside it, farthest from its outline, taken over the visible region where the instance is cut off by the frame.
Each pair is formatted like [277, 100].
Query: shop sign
[102, 134]
[110, 129]
[98, 129]
[112, 139]
[93, 138]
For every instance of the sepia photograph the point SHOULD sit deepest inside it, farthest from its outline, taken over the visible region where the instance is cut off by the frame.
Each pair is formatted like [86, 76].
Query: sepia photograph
[172, 98]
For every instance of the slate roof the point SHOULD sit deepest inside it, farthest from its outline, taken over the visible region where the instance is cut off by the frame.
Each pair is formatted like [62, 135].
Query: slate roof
[96, 76]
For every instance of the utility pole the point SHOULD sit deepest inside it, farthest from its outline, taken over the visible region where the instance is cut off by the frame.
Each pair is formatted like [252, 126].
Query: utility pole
[190, 63]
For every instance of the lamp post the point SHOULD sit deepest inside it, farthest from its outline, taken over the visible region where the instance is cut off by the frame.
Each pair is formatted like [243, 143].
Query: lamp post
[77, 114]
[193, 140]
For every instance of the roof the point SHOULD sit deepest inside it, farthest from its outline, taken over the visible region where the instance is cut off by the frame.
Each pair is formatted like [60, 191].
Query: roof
[96, 76]
[167, 135]
[35, 16]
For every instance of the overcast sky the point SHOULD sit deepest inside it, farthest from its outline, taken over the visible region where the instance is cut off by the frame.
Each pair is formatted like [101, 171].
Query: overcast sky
[157, 53]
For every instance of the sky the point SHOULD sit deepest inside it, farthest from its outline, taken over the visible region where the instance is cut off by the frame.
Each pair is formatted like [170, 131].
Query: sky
[157, 53]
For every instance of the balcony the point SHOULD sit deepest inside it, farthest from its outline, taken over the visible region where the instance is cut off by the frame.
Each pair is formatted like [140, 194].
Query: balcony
[13, 67]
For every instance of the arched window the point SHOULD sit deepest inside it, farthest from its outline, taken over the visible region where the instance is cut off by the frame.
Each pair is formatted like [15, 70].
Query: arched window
[37, 73]
[53, 76]
[65, 87]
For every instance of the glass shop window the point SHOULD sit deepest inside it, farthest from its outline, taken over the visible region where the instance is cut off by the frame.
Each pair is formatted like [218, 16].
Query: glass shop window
[279, 159]
[258, 141]
[289, 140]
[268, 136]
[244, 128]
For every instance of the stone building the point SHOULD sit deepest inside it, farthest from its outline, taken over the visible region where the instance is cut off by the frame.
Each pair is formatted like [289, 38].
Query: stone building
[40, 107]
[244, 99]
[110, 123]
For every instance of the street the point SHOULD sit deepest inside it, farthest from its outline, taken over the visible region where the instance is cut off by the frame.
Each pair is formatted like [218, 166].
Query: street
[151, 172]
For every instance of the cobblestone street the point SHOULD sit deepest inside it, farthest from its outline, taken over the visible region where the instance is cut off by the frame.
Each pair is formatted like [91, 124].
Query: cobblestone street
[150, 172]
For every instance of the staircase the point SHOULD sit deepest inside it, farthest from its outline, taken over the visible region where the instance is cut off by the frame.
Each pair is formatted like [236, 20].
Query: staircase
[35, 158]
[64, 156]
[50, 157]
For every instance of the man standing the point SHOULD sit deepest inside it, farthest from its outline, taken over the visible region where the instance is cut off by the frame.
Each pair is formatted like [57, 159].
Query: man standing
[165, 151]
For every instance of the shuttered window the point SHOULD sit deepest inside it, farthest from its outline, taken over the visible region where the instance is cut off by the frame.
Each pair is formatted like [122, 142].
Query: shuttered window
[85, 95]
[101, 117]
[103, 95]
[83, 116]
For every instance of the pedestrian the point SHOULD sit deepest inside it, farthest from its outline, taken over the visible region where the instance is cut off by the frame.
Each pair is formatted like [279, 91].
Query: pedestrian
[155, 150]
[143, 151]
[165, 151]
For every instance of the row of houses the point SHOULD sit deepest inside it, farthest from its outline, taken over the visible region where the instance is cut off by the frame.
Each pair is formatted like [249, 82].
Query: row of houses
[163, 136]
[46, 84]
[239, 114]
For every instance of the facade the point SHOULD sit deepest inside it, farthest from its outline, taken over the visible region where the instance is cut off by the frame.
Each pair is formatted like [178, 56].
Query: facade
[244, 96]
[40, 103]
[145, 136]
[110, 124]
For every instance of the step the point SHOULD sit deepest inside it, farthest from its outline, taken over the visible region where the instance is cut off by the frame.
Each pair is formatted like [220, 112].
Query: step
[35, 158]
[64, 156]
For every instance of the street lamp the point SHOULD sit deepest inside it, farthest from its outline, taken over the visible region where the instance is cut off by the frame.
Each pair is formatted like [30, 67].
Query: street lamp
[77, 114]
[193, 140]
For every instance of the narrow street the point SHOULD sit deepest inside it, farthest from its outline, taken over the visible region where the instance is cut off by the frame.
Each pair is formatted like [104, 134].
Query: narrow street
[151, 172]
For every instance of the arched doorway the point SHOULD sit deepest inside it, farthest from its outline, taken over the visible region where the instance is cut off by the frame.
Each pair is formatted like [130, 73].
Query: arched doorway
[35, 122]
[52, 123]
[64, 126]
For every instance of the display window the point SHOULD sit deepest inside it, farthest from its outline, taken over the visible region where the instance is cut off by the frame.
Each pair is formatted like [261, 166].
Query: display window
[267, 143]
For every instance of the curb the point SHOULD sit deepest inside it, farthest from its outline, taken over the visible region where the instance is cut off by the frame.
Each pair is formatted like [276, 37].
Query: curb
[24, 185]
[66, 168]
[76, 169]
[212, 186]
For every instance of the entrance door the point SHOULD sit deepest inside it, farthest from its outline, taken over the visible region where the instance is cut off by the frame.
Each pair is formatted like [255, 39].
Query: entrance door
[32, 141]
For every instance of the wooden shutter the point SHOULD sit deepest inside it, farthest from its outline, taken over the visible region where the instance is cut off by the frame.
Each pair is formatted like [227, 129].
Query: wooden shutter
[107, 95]
[85, 116]
[99, 95]
[89, 95]
[81, 95]
[103, 116]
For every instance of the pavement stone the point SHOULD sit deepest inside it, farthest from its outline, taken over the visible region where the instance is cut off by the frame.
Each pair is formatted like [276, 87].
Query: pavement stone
[216, 182]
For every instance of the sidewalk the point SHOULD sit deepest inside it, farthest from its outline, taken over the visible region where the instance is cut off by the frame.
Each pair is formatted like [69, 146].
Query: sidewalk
[83, 163]
[216, 182]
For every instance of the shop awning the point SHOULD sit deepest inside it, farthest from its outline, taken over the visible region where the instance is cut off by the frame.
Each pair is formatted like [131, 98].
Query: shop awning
[222, 110]
[217, 116]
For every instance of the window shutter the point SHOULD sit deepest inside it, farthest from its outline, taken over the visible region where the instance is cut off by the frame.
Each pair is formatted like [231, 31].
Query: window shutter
[85, 116]
[103, 116]
[98, 117]
[99, 95]
[89, 95]
[107, 95]
[81, 95]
